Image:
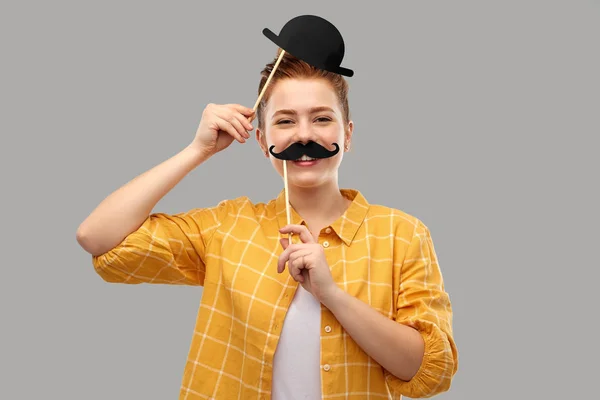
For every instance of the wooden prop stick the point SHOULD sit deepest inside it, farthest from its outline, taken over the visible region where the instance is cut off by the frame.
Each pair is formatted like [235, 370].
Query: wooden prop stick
[287, 198]
[264, 89]
[285, 180]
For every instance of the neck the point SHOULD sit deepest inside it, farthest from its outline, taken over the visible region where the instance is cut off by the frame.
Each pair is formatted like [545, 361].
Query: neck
[318, 205]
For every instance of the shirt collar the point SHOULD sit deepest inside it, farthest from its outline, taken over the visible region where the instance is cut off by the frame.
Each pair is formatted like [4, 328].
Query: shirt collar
[345, 226]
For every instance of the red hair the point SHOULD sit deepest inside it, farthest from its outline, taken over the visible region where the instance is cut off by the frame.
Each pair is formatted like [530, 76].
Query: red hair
[292, 67]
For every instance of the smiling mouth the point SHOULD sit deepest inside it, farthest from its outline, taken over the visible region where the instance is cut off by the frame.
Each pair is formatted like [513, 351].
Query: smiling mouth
[305, 158]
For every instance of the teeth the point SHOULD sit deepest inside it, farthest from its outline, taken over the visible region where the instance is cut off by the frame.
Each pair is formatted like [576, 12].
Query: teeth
[305, 158]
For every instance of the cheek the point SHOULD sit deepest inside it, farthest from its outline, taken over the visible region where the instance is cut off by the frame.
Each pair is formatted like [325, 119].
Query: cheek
[277, 164]
[334, 134]
[278, 140]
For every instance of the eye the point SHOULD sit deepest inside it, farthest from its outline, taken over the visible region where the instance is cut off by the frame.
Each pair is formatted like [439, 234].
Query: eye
[323, 119]
[283, 121]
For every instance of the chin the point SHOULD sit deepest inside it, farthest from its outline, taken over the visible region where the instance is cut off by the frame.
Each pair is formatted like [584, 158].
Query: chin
[307, 179]
[310, 175]
[306, 184]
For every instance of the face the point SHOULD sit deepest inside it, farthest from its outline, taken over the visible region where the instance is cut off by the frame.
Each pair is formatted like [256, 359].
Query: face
[304, 111]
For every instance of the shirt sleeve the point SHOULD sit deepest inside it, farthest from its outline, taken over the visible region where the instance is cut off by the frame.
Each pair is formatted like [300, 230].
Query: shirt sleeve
[423, 304]
[165, 249]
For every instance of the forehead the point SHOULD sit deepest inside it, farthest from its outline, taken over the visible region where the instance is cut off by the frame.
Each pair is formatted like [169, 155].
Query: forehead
[301, 95]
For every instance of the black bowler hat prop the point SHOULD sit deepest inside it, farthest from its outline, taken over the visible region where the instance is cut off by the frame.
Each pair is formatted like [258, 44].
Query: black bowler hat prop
[311, 39]
[314, 40]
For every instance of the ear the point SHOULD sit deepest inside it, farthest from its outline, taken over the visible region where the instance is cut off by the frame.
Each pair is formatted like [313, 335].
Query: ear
[262, 142]
[348, 136]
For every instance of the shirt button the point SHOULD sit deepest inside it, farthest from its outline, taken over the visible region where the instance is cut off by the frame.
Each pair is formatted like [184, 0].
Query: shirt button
[325, 244]
[327, 329]
[326, 367]
[328, 230]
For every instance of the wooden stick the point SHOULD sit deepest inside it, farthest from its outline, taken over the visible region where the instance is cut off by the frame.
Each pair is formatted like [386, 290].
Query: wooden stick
[285, 180]
[287, 198]
[264, 89]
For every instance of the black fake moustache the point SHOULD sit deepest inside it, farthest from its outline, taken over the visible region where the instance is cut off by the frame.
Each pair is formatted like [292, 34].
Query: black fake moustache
[310, 149]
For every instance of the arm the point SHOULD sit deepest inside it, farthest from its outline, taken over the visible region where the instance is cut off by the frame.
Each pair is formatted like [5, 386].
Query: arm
[127, 208]
[416, 349]
[128, 245]
[165, 249]
[397, 348]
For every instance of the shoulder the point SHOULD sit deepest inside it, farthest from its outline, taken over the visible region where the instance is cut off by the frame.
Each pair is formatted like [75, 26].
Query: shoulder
[400, 222]
[241, 206]
[246, 204]
[383, 219]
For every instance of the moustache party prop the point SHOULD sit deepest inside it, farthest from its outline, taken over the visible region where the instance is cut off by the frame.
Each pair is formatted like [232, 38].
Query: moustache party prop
[319, 43]
[311, 149]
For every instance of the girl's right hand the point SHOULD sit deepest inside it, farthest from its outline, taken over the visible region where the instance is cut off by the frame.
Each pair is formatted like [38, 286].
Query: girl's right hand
[220, 125]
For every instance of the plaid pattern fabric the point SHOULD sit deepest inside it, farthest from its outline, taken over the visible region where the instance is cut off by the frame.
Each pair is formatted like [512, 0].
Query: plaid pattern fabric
[380, 255]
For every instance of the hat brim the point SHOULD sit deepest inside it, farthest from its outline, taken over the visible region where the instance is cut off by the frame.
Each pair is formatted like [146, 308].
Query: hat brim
[344, 71]
[277, 40]
[272, 36]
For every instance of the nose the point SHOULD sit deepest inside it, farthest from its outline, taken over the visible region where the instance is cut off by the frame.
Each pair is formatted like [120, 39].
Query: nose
[304, 132]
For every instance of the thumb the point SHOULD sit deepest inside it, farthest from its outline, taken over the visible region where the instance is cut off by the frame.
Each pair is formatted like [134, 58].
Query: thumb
[284, 242]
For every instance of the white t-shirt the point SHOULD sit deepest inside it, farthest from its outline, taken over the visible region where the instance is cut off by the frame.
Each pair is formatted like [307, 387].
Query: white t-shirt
[297, 363]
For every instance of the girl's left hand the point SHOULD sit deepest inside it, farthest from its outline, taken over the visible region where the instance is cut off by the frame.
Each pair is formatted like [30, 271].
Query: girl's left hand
[307, 263]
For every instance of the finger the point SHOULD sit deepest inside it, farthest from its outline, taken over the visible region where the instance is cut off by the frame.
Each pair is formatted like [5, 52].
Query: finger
[296, 267]
[300, 230]
[231, 118]
[236, 121]
[246, 111]
[292, 251]
[284, 257]
[285, 242]
[247, 126]
[226, 126]
[300, 254]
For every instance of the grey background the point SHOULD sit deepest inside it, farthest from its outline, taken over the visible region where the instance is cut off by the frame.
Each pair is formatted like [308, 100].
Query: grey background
[480, 118]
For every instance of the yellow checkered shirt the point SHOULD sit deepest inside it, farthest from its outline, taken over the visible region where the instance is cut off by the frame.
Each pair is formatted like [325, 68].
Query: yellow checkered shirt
[381, 255]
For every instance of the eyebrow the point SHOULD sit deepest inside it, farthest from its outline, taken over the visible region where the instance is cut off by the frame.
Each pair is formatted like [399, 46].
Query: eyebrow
[312, 110]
